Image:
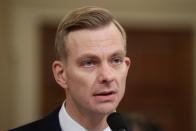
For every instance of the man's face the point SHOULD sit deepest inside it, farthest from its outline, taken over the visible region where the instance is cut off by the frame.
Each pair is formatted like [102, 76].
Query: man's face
[96, 69]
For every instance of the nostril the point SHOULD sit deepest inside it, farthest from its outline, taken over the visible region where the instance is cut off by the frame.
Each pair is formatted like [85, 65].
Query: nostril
[105, 81]
[106, 74]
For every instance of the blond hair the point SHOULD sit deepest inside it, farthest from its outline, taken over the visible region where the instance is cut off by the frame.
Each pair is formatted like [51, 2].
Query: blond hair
[89, 17]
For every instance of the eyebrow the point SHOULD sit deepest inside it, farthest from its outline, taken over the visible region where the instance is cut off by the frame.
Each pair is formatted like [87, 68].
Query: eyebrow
[86, 57]
[93, 56]
[119, 53]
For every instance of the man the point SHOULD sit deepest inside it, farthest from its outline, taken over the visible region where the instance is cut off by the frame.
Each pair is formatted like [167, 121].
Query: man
[91, 67]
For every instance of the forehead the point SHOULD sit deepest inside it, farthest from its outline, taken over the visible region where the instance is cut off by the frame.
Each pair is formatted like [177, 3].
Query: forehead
[104, 39]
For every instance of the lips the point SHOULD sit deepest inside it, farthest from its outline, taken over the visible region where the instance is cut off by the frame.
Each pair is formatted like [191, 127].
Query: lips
[104, 96]
[104, 93]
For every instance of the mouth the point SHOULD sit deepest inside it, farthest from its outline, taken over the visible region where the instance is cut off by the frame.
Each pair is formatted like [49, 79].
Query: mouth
[104, 96]
[104, 93]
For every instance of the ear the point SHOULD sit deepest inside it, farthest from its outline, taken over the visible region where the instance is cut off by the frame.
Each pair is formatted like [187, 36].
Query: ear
[127, 62]
[59, 73]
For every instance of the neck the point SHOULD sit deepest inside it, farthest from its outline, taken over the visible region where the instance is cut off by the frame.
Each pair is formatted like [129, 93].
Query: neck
[90, 121]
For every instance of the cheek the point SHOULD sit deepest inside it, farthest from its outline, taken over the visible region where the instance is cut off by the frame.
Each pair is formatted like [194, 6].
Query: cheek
[79, 81]
[77, 86]
[122, 75]
[74, 79]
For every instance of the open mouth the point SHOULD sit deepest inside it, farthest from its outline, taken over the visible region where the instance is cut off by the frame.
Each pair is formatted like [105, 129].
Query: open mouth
[105, 96]
[104, 93]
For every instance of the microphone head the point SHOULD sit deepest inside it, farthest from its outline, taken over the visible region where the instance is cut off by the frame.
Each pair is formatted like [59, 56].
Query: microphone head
[116, 122]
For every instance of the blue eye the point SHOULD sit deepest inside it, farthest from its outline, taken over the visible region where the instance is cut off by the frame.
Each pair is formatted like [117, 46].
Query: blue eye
[88, 63]
[117, 60]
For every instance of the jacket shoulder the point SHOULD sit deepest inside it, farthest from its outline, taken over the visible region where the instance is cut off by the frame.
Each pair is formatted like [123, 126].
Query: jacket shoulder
[48, 123]
[33, 126]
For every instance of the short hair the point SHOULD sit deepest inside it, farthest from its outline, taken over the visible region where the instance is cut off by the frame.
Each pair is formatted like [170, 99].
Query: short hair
[89, 17]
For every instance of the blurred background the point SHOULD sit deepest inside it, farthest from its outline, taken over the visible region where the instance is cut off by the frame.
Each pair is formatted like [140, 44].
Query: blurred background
[161, 44]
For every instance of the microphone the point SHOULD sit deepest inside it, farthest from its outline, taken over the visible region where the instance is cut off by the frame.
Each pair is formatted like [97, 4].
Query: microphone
[116, 122]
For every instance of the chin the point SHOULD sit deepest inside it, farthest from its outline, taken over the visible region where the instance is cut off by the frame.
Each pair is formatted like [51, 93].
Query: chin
[106, 109]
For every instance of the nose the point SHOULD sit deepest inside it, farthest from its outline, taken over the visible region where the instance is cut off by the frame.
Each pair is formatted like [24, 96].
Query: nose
[106, 73]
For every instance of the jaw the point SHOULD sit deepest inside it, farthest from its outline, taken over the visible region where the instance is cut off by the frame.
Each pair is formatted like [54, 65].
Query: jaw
[91, 119]
[105, 107]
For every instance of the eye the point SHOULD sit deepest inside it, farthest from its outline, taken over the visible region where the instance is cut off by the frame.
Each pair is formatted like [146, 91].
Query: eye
[88, 63]
[117, 60]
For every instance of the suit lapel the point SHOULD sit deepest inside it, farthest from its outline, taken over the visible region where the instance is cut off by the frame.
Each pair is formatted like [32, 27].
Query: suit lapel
[52, 121]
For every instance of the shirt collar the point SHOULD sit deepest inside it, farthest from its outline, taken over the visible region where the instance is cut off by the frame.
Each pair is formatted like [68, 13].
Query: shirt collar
[69, 124]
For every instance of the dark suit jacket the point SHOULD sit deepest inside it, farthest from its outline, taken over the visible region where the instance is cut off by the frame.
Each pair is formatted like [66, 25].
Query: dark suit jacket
[49, 123]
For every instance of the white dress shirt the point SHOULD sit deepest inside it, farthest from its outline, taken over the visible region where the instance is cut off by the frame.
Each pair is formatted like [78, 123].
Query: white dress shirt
[69, 124]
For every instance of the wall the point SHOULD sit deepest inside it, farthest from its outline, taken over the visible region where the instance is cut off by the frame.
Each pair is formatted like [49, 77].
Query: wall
[21, 63]
[5, 68]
